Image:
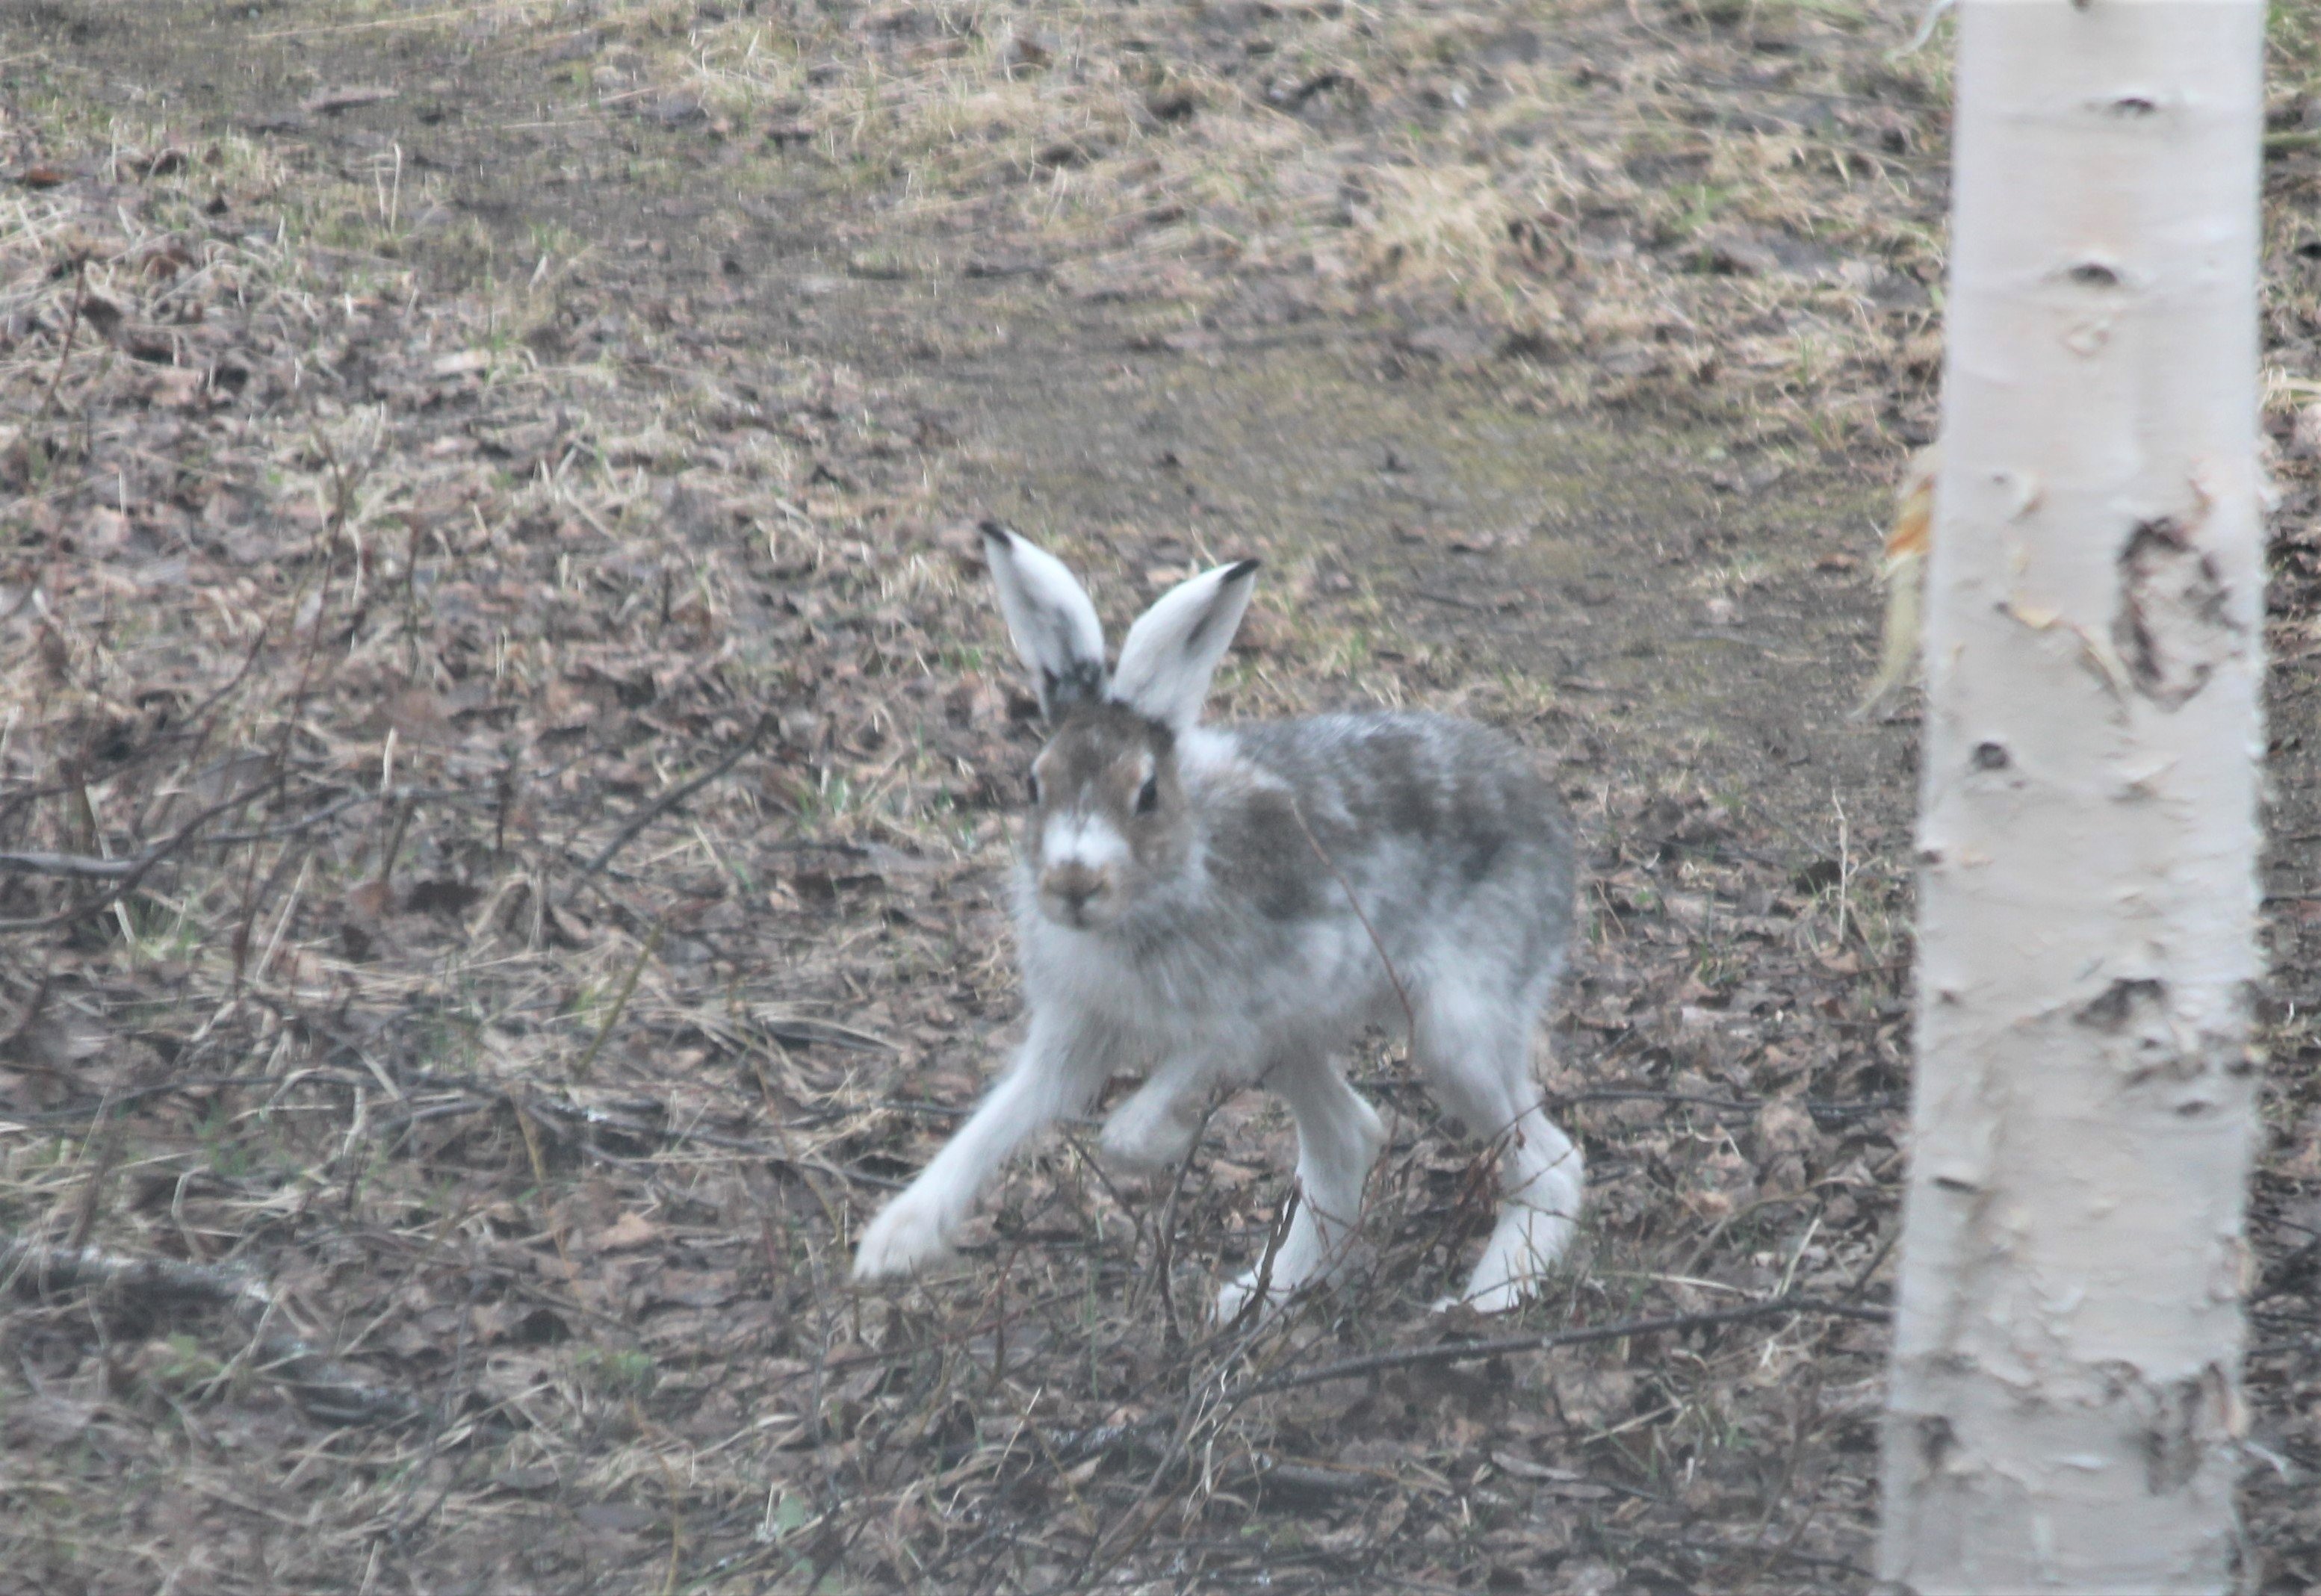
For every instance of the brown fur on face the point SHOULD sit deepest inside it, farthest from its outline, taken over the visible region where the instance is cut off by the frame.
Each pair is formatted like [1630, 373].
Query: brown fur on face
[1097, 768]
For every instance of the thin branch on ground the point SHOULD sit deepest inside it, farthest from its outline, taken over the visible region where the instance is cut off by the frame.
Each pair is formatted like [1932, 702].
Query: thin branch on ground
[670, 800]
[1467, 1352]
[141, 864]
[329, 1390]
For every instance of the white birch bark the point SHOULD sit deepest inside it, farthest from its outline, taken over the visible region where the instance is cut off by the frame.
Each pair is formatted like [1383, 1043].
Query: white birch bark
[2065, 1381]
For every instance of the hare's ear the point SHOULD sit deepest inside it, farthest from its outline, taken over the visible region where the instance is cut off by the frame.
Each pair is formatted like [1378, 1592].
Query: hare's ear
[1173, 649]
[1050, 618]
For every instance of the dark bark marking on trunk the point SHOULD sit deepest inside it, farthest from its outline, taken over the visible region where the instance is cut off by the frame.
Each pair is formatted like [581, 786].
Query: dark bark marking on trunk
[2175, 624]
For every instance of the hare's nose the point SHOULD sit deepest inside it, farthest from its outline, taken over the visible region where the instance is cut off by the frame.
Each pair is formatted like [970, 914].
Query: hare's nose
[1074, 884]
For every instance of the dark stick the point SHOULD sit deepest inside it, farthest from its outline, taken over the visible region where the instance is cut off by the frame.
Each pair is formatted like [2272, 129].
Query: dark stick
[338, 806]
[84, 866]
[141, 865]
[329, 1390]
[670, 800]
[342, 502]
[205, 724]
[1839, 1107]
[1409, 1015]
[1461, 1351]
[1452, 600]
[72, 325]
[1105, 1438]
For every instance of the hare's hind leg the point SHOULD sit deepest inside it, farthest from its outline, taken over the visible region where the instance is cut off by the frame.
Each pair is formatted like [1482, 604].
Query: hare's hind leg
[1338, 1140]
[1476, 1048]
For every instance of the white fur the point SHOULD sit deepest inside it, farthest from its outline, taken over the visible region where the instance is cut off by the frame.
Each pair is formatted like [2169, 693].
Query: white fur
[1169, 656]
[1338, 1138]
[1050, 618]
[1216, 989]
[1085, 839]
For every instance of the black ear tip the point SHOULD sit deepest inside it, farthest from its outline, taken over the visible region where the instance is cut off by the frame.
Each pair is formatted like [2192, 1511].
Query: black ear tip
[992, 530]
[1241, 568]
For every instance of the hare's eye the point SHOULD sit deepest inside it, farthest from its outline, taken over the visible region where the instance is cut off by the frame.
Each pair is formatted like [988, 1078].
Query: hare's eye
[1148, 796]
[1032, 787]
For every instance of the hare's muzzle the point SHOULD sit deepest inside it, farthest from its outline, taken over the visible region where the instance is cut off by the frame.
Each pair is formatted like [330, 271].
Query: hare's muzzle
[1076, 895]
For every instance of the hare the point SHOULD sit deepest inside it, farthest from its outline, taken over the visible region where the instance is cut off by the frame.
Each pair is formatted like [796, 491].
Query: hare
[1233, 905]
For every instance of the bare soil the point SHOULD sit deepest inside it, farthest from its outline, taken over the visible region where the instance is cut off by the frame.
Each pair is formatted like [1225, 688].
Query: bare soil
[506, 754]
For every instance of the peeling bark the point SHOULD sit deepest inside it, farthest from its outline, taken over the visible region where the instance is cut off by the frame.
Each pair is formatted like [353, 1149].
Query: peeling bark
[2064, 1395]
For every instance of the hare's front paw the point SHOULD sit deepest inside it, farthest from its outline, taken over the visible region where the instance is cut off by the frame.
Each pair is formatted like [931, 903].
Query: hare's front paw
[904, 1239]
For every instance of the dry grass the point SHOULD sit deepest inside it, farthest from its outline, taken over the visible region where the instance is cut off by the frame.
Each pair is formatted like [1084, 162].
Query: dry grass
[347, 619]
[356, 619]
[1735, 205]
[1732, 207]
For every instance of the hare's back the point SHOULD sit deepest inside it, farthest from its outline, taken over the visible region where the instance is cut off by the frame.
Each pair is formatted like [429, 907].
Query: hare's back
[1454, 797]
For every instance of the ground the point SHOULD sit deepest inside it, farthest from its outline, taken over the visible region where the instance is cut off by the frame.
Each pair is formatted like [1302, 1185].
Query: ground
[493, 651]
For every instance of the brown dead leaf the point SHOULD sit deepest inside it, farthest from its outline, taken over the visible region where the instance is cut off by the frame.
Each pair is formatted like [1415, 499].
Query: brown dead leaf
[1783, 1127]
[47, 1419]
[175, 387]
[417, 716]
[369, 901]
[632, 1229]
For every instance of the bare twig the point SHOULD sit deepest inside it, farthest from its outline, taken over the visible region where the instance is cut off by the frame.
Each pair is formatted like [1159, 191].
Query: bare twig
[340, 805]
[1409, 1014]
[72, 325]
[670, 800]
[196, 717]
[1452, 600]
[83, 866]
[543, 1110]
[304, 822]
[111, 1106]
[1467, 1352]
[342, 490]
[326, 1388]
[620, 1002]
[1834, 1107]
[140, 864]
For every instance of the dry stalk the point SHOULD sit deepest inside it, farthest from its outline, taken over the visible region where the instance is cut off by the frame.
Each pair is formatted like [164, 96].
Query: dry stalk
[72, 325]
[326, 1388]
[139, 865]
[1409, 1014]
[621, 998]
[670, 800]
[1463, 1352]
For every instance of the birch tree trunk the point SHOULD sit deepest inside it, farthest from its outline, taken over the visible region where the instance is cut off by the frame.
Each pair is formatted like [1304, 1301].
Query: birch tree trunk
[2065, 1383]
